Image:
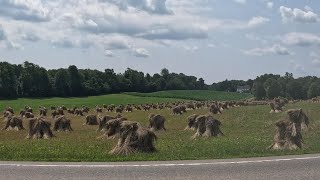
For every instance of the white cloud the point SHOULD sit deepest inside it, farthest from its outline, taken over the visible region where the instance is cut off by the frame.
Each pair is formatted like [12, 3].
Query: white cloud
[104, 18]
[255, 37]
[151, 6]
[66, 42]
[256, 21]
[12, 45]
[315, 59]
[301, 39]
[63, 43]
[273, 50]
[28, 10]
[3, 35]
[298, 15]
[30, 37]
[191, 48]
[308, 8]
[314, 55]
[270, 5]
[108, 53]
[175, 33]
[316, 62]
[240, 1]
[211, 45]
[5, 42]
[297, 67]
[113, 24]
[141, 52]
[124, 44]
[117, 43]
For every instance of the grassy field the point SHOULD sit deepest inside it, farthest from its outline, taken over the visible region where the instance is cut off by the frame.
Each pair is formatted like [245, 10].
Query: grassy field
[249, 131]
[198, 95]
[91, 101]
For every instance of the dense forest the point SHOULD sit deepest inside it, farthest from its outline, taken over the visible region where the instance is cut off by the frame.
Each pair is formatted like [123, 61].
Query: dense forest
[31, 80]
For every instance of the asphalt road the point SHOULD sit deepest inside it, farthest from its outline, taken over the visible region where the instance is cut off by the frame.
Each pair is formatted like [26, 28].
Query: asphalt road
[289, 167]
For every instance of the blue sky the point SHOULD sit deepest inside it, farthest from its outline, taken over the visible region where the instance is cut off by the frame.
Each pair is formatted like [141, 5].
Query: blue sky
[213, 39]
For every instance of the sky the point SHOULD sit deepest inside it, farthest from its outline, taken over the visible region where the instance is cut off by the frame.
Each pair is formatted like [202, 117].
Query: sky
[212, 39]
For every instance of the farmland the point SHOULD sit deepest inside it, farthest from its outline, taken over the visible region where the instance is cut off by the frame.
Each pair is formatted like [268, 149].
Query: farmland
[198, 95]
[248, 130]
[91, 101]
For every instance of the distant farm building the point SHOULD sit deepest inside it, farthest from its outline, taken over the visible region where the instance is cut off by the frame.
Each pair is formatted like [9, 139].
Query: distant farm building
[243, 89]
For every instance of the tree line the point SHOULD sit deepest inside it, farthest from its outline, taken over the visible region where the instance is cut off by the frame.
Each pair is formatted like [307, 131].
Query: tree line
[31, 80]
[269, 86]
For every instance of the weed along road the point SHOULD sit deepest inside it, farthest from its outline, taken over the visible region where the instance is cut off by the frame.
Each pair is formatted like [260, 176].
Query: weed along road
[286, 167]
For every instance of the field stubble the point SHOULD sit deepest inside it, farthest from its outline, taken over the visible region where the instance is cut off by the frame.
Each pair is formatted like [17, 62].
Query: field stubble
[248, 132]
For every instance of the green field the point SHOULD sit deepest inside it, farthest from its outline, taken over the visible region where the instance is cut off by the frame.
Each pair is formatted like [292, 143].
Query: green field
[198, 95]
[87, 101]
[249, 131]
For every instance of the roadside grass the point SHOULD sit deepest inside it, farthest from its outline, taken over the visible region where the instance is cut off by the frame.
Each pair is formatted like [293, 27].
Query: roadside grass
[198, 95]
[248, 132]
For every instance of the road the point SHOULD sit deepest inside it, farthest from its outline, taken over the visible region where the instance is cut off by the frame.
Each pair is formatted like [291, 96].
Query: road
[288, 167]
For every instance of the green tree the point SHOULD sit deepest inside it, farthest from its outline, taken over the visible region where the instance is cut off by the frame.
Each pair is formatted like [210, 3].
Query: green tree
[161, 84]
[273, 88]
[75, 83]
[314, 90]
[124, 83]
[8, 81]
[94, 82]
[176, 84]
[200, 84]
[112, 79]
[306, 83]
[165, 73]
[294, 90]
[33, 81]
[258, 90]
[44, 86]
[61, 83]
[137, 79]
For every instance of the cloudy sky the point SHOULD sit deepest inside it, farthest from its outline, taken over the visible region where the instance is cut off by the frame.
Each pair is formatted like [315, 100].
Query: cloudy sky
[213, 39]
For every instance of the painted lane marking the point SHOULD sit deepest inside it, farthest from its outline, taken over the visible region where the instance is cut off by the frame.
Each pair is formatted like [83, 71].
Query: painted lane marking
[156, 165]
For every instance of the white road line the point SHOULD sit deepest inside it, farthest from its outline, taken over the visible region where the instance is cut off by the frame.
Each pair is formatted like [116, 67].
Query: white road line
[155, 165]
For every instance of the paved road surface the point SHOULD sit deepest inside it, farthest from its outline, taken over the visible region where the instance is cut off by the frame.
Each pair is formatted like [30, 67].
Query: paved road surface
[289, 167]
